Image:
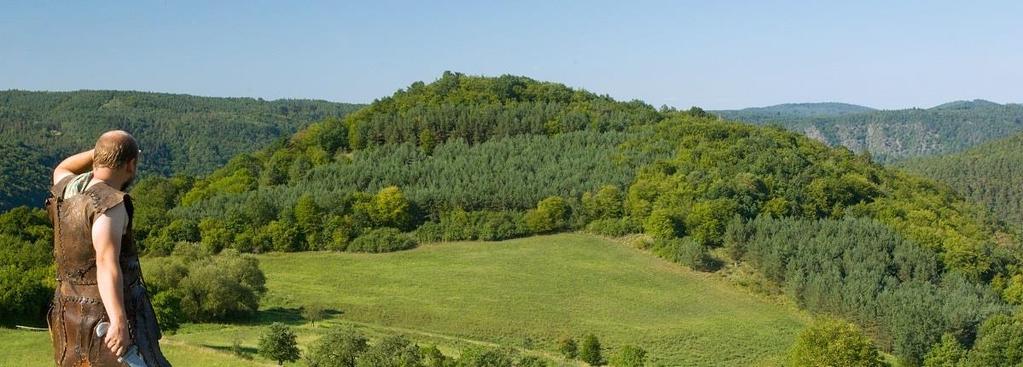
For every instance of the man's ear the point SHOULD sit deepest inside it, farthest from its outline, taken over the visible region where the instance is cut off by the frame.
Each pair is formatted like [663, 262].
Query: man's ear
[133, 165]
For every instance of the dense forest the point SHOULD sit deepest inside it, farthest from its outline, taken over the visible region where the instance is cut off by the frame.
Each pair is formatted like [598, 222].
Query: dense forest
[891, 135]
[990, 174]
[918, 268]
[179, 134]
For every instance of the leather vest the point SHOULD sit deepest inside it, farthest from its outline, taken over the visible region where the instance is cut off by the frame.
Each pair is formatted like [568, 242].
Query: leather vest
[77, 307]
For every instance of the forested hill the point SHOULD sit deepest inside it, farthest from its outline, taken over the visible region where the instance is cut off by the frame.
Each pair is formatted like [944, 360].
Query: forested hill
[478, 158]
[178, 133]
[891, 135]
[990, 174]
[791, 110]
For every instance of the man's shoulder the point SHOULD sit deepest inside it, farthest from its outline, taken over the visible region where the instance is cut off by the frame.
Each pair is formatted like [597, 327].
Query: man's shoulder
[105, 197]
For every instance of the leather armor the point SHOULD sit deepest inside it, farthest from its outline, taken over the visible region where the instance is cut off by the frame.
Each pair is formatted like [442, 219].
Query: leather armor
[77, 308]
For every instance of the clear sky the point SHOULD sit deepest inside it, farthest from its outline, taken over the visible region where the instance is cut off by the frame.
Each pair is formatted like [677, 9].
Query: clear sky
[714, 54]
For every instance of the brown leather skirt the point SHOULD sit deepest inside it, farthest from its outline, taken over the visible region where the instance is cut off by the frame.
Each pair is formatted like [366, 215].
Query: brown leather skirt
[74, 314]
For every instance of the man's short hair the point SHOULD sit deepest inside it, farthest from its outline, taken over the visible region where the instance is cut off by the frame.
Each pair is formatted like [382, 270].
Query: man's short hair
[114, 149]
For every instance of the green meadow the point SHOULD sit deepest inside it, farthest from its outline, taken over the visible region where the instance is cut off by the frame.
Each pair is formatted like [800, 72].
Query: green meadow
[524, 293]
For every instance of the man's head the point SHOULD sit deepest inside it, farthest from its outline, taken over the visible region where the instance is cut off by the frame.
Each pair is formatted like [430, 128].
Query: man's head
[116, 157]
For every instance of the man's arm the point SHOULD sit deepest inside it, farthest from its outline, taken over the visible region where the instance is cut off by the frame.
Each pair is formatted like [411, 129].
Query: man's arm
[107, 230]
[73, 165]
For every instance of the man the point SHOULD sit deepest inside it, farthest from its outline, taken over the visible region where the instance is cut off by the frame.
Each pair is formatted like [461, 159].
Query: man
[98, 273]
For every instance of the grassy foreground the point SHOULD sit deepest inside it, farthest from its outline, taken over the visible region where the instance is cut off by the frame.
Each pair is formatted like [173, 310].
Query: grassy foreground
[525, 293]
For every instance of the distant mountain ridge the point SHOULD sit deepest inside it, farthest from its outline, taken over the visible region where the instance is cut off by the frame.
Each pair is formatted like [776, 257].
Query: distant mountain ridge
[891, 135]
[764, 114]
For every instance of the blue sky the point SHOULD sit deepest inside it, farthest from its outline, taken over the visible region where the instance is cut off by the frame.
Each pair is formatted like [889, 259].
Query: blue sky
[714, 54]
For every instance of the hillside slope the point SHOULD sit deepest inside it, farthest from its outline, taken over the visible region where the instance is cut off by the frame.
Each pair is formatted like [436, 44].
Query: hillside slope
[524, 293]
[541, 289]
[891, 135]
[990, 174]
[179, 134]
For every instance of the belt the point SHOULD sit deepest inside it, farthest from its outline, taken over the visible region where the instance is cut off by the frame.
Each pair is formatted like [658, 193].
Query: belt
[89, 293]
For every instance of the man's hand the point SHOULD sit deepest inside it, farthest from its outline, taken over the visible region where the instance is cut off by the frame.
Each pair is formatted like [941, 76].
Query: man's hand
[117, 338]
[73, 165]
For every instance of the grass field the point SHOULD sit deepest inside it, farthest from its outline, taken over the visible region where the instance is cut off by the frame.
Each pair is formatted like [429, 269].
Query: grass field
[525, 293]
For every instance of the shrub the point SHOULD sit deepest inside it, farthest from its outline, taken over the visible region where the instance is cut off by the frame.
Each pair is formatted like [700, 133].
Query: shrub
[476, 356]
[568, 348]
[341, 347]
[392, 351]
[613, 227]
[531, 361]
[686, 251]
[429, 232]
[831, 342]
[629, 356]
[662, 224]
[167, 306]
[432, 357]
[999, 341]
[278, 344]
[194, 286]
[606, 203]
[314, 312]
[551, 214]
[948, 353]
[382, 240]
[591, 351]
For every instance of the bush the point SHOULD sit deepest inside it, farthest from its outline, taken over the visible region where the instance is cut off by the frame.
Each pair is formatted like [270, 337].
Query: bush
[531, 361]
[476, 356]
[429, 232]
[591, 351]
[662, 224]
[382, 240]
[222, 287]
[686, 251]
[694, 255]
[208, 288]
[551, 214]
[613, 227]
[629, 356]
[999, 342]
[486, 225]
[606, 203]
[392, 351]
[830, 342]
[314, 312]
[568, 348]
[278, 344]
[341, 347]
[432, 357]
[948, 353]
[167, 306]
[338, 232]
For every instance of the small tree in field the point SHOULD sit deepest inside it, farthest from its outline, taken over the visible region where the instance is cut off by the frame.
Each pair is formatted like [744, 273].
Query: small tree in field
[278, 343]
[591, 351]
[629, 356]
[832, 342]
[568, 348]
[341, 347]
[314, 312]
